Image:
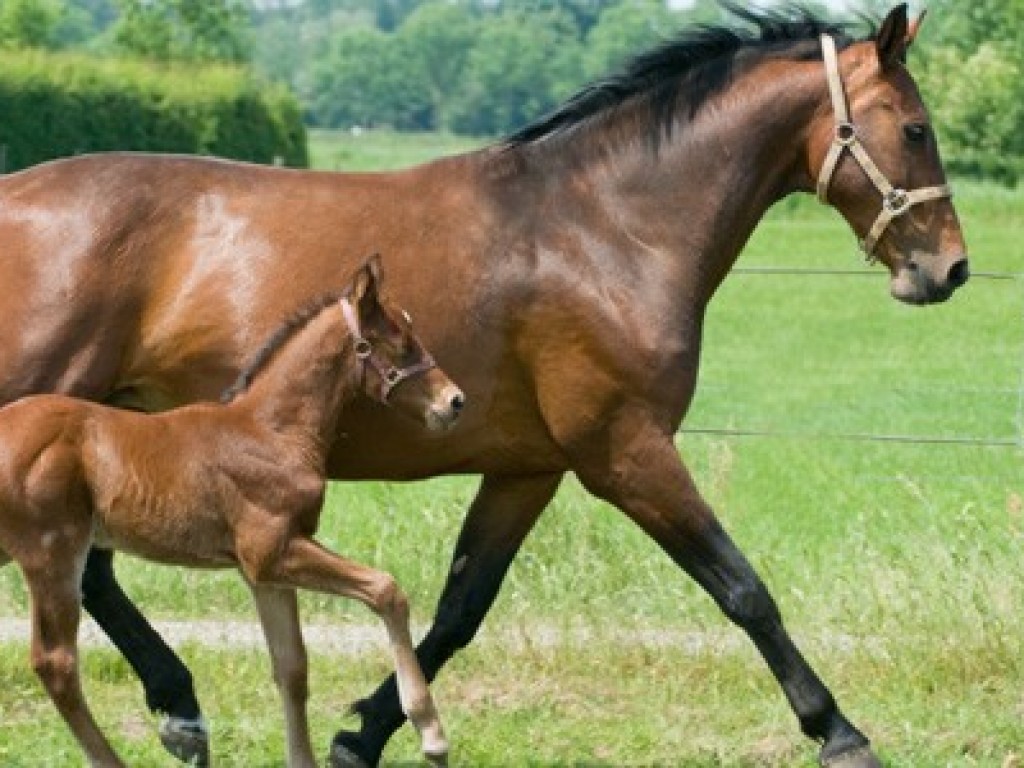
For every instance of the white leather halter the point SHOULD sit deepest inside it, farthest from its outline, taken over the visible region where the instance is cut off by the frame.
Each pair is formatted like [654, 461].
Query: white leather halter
[895, 201]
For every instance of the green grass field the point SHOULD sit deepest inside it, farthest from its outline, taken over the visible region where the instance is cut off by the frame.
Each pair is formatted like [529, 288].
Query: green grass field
[897, 563]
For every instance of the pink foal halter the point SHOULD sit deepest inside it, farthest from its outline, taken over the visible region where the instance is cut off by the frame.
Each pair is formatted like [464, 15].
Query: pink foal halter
[390, 375]
[895, 201]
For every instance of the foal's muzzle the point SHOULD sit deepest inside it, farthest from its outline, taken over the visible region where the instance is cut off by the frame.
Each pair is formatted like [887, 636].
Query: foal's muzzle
[444, 411]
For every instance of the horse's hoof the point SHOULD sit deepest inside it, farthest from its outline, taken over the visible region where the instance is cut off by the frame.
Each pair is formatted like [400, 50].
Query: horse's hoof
[860, 757]
[343, 757]
[187, 740]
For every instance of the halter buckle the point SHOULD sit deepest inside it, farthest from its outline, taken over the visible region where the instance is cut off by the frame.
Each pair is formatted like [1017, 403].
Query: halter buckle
[896, 202]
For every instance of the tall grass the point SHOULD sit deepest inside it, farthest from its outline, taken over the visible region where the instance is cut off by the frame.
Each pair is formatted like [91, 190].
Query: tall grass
[898, 565]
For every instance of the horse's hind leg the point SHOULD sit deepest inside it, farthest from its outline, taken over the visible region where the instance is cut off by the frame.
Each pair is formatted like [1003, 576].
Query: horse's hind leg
[306, 564]
[279, 616]
[647, 480]
[55, 615]
[166, 680]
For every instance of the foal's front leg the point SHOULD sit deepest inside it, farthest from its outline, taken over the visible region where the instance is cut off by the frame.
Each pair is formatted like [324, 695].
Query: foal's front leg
[279, 616]
[306, 564]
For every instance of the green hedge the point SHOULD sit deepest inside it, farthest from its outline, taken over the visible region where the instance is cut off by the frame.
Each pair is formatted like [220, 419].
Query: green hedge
[53, 105]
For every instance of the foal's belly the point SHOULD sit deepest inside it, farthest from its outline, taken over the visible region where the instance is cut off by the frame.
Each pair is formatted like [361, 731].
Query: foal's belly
[189, 537]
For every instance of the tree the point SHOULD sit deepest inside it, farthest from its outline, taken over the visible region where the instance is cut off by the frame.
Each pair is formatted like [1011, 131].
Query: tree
[28, 23]
[365, 81]
[437, 39]
[192, 30]
[520, 67]
[970, 66]
[624, 30]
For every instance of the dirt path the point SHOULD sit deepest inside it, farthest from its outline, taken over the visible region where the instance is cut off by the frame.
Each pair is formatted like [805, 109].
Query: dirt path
[353, 638]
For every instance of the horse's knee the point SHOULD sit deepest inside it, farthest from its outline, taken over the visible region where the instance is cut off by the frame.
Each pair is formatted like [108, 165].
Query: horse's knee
[748, 604]
[461, 612]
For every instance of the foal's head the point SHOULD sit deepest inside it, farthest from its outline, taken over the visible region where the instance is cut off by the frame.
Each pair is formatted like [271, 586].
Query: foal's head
[879, 166]
[396, 369]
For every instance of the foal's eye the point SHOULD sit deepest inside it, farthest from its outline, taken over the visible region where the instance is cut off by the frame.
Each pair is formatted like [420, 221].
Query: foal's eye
[915, 132]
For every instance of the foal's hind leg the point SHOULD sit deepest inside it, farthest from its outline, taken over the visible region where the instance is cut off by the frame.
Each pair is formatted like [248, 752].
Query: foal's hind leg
[643, 475]
[55, 614]
[279, 615]
[306, 564]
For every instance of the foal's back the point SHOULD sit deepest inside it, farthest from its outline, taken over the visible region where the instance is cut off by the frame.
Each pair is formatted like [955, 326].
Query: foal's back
[168, 487]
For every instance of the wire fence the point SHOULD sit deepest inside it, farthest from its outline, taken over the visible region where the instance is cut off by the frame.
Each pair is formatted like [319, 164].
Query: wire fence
[1015, 441]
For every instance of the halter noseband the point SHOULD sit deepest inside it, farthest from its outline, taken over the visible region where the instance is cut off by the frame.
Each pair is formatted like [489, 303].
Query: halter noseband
[390, 375]
[895, 201]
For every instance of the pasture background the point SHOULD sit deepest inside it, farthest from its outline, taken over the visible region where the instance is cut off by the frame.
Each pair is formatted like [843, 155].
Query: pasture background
[897, 563]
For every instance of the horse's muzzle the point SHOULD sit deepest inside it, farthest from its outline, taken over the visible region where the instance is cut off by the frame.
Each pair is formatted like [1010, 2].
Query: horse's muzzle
[913, 284]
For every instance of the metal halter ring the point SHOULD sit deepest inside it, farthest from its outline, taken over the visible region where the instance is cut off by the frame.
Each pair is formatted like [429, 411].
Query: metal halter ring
[390, 376]
[897, 201]
[846, 134]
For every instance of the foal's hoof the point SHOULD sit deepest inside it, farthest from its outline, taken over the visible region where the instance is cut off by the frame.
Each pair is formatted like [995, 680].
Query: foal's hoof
[859, 757]
[343, 757]
[187, 740]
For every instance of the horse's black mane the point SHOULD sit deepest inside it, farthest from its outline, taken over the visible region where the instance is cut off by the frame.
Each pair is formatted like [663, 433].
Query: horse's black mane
[276, 340]
[690, 68]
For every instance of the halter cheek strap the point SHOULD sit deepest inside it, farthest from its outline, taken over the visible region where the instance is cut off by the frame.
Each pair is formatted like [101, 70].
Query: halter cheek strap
[390, 375]
[895, 201]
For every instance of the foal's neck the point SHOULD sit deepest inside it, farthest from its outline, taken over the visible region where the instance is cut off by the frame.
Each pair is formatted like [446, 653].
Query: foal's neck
[303, 388]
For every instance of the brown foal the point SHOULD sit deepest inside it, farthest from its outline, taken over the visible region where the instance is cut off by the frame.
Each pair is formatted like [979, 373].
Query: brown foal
[216, 485]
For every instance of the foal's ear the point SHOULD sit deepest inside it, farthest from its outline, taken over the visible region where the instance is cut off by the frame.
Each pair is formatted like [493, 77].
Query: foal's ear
[366, 281]
[894, 37]
[365, 290]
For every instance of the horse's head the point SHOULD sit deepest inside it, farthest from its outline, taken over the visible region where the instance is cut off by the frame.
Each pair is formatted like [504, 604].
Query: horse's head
[398, 371]
[880, 167]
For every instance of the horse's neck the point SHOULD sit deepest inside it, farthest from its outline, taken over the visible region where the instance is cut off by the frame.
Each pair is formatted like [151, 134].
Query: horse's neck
[699, 197]
[303, 388]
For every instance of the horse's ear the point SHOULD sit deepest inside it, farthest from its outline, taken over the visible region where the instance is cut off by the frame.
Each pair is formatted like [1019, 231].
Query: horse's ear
[893, 37]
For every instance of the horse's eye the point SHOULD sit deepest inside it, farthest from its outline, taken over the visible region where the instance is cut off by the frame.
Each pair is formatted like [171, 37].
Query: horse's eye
[915, 132]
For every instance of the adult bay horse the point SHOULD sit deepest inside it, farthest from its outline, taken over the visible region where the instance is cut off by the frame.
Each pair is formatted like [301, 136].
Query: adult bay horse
[584, 249]
[220, 485]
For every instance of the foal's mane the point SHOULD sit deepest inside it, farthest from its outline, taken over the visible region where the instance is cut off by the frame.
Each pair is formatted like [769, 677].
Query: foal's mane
[689, 69]
[281, 336]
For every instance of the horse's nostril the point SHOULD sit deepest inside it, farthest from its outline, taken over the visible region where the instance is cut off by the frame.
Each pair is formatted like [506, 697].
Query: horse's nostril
[958, 274]
[457, 402]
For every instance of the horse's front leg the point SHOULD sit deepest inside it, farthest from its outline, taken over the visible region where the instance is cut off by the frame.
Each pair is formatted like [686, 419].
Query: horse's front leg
[165, 679]
[636, 467]
[499, 519]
